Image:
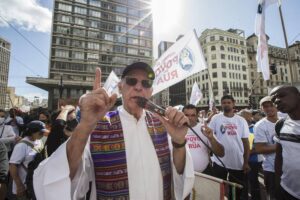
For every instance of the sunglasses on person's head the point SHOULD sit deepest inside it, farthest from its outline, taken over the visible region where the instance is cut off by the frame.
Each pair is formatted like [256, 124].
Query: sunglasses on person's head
[133, 81]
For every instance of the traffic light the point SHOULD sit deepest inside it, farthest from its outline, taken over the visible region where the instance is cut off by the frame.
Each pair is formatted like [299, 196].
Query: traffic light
[273, 68]
[251, 101]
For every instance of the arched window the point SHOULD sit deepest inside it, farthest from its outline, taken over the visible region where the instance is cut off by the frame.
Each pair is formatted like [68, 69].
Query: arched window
[222, 48]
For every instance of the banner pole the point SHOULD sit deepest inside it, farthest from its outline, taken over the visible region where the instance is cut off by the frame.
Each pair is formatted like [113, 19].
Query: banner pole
[286, 43]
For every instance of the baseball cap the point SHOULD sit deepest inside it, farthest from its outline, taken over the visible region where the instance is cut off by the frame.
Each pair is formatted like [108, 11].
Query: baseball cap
[142, 66]
[265, 99]
[36, 126]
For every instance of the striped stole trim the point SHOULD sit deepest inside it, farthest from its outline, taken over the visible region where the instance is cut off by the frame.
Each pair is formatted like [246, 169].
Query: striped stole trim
[109, 157]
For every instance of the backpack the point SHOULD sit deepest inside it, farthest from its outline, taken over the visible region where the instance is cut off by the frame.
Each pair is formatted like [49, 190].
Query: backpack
[38, 158]
[278, 126]
[285, 136]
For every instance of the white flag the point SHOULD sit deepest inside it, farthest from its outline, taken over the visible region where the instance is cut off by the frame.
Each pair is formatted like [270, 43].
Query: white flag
[196, 94]
[111, 84]
[211, 102]
[262, 47]
[181, 60]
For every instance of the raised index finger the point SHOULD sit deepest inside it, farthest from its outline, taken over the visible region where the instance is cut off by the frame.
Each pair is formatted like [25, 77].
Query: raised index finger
[97, 81]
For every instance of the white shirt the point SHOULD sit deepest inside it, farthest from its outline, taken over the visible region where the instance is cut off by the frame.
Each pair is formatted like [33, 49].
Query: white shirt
[199, 152]
[264, 132]
[7, 135]
[290, 179]
[230, 131]
[23, 154]
[144, 174]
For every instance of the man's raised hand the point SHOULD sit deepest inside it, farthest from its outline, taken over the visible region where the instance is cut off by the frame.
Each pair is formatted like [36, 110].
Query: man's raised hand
[94, 105]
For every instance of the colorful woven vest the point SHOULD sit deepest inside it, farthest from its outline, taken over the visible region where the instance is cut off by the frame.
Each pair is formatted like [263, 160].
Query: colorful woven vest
[108, 153]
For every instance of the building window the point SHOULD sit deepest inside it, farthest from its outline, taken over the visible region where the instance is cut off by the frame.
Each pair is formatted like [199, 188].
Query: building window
[64, 7]
[82, 1]
[108, 37]
[224, 75]
[222, 56]
[120, 19]
[64, 18]
[79, 21]
[223, 65]
[215, 75]
[133, 12]
[78, 55]
[92, 56]
[93, 34]
[133, 41]
[93, 45]
[213, 48]
[215, 85]
[119, 49]
[78, 32]
[121, 29]
[61, 53]
[96, 3]
[80, 10]
[95, 13]
[121, 39]
[213, 56]
[121, 9]
[221, 38]
[214, 65]
[132, 21]
[133, 31]
[212, 38]
[132, 51]
[222, 48]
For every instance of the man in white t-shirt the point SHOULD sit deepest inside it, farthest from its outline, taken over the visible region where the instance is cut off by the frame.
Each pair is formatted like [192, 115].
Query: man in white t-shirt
[199, 152]
[232, 132]
[287, 161]
[264, 131]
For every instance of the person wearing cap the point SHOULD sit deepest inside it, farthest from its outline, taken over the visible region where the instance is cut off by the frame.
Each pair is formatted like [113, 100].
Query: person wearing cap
[121, 154]
[23, 153]
[264, 132]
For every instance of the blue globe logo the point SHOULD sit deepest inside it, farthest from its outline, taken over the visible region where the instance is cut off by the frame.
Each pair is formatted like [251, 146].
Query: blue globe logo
[186, 59]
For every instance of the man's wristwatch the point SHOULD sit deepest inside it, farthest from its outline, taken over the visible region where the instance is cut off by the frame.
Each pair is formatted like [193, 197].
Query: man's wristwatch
[177, 146]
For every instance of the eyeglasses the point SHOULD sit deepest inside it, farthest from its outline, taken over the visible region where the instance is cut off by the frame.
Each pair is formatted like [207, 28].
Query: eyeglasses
[133, 81]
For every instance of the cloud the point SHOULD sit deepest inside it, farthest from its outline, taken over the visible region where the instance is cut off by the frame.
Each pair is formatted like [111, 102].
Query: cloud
[27, 14]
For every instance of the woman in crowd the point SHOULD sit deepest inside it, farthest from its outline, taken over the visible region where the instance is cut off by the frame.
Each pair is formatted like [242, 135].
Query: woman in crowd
[23, 154]
[63, 123]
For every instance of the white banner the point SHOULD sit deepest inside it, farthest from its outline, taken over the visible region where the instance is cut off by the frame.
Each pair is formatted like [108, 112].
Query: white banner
[111, 84]
[262, 47]
[196, 94]
[181, 60]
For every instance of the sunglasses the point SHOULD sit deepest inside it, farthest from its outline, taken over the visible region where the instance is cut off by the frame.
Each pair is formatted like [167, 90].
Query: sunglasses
[133, 81]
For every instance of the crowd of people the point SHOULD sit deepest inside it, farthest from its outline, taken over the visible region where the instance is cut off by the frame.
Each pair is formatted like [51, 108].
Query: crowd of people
[22, 136]
[103, 152]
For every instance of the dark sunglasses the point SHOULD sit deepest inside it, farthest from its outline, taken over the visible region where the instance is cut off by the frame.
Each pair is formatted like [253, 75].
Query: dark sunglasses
[133, 81]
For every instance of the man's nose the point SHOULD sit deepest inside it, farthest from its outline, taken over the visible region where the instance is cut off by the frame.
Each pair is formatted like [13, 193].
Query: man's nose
[138, 86]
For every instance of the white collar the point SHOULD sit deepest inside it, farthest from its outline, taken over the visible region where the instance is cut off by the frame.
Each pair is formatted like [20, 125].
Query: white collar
[129, 116]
